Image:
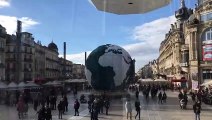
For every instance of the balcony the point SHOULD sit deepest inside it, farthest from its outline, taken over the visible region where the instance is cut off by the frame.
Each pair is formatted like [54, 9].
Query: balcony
[11, 59]
[28, 60]
[2, 49]
[2, 65]
[27, 70]
[10, 70]
[184, 47]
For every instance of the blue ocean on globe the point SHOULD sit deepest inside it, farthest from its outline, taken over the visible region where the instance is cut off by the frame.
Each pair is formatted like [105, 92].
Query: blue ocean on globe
[109, 67]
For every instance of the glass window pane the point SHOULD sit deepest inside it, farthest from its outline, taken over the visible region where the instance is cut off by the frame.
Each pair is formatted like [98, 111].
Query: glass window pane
[209, 16]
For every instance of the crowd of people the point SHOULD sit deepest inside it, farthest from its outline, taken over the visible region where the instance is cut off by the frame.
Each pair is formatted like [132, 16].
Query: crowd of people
[100, 104]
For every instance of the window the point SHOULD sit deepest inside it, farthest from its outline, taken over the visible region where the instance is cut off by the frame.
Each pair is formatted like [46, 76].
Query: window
[207, 36]
[207, 74]
[206, 17]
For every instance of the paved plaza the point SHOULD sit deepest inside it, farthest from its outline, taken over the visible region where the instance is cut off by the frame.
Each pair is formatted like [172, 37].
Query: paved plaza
[151, 110]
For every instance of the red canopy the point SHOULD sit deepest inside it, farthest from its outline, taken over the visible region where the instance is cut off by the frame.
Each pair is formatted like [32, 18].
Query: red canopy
[179, 80]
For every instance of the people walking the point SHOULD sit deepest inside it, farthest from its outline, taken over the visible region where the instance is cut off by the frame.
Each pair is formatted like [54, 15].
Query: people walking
[107, 105]
[137, 108]
[95, 110]
[66, 103]
[60, 109]
[137, 94]
[160, 97]
[128, 108]
[41, 113]
[197, 110]
[20, 108]
[76, 107]
[164, 97]
[48, 113]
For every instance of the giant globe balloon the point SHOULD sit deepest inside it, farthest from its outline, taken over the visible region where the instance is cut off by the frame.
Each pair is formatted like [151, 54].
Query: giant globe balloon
[109, 67]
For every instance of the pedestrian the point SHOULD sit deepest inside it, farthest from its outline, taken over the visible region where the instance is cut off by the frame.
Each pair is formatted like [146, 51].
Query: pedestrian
[164, 97]
[197, 110]
[35, 104]
[101, 105]
[160, 97]
[137, 94]
[76, 107]
[95, 110]
[90, 104]
[137, 108]
[107, 105]
[41, 113]
[66, 103]
[128, 108]
[60, 109]
[48, 113]
[47, 100]
[20, 108]
[54, 100]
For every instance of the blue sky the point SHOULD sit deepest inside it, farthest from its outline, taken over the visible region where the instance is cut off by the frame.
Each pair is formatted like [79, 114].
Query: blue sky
[84, 28]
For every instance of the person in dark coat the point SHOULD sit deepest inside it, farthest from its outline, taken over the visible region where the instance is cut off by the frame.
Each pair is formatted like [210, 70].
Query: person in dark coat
[35, 105]
[76, 107]
[107, 105]
[137, 94]
[60, 109]
[47, 101]
[54, 100]
[197, 110]
[160, 97]
[41, 113]
[66, 103]
[138, 109]
[164, 97]
[48, 113]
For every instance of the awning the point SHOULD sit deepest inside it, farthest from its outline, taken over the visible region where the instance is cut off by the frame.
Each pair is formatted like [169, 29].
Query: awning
[161, 80]
[3, 85]
[207, 83]
[178, 80]
[76, 81]
[53, 83]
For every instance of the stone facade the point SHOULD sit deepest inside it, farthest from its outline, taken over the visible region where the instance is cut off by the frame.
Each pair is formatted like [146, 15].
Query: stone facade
[2, 52]
[187, 48]
[25, 60]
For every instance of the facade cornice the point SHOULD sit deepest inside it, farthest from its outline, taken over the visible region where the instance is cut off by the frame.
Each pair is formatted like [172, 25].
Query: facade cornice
[205, 7]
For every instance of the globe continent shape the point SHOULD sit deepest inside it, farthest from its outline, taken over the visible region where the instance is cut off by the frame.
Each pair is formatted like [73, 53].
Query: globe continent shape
[108, 67]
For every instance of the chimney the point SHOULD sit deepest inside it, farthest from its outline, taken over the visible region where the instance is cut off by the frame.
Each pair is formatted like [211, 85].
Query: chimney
[64, 48]
[85, 57]
[19, 28]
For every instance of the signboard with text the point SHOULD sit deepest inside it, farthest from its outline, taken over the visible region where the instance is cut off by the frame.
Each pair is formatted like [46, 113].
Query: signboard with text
[207, 53]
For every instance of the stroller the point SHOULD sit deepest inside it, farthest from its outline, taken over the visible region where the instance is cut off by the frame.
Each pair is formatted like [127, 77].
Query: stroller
[183, 104]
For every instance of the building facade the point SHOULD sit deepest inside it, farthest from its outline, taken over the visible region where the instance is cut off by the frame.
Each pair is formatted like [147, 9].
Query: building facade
[187, 48]
[78, 71]
[22, 59]
[2, 52]
[39, 63]
[65, 69]
[52, 62]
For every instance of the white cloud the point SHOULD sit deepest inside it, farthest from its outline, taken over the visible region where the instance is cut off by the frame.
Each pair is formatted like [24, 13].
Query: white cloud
[10, 23]
[149, 37]
[153, 33]
[4, 3]
[78, 58]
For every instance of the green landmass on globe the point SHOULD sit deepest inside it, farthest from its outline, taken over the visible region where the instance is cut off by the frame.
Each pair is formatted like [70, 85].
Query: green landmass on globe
[109, 67]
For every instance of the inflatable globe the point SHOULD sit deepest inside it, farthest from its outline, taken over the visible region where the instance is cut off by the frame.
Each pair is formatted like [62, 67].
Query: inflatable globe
[109, 67]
